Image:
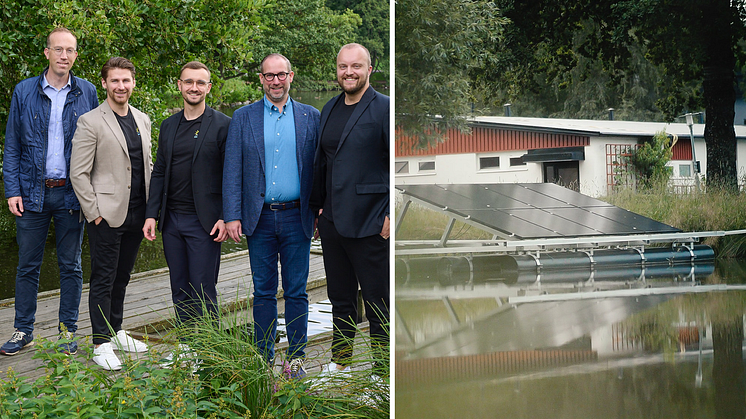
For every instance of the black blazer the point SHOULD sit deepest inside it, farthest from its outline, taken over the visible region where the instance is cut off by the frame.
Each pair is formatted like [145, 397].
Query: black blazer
[360, 184]
[207, 168]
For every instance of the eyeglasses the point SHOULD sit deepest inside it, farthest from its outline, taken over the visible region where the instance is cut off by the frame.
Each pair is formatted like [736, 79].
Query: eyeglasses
[190, 82]
[271, 76]
[58, 50]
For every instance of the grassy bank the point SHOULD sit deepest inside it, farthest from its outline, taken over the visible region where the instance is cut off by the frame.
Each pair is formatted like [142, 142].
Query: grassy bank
[224, 377]
[713, 211]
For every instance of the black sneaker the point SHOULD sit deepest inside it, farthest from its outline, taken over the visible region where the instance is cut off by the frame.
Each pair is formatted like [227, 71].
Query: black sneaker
[67, 344]
[18, 341]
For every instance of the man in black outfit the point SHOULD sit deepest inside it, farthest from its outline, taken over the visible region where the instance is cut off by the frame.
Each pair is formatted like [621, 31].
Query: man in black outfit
[351, 189]
[186, 196]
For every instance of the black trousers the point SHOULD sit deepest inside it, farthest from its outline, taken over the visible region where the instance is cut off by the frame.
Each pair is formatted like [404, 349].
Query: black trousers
[113, 255]
[193, 259]
[349, 262]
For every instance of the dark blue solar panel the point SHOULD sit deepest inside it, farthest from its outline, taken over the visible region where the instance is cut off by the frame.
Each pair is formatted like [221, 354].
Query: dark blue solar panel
[535, 210]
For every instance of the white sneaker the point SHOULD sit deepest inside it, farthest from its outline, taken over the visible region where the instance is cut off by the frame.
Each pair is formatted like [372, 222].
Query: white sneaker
[182, 351]
[331, 369]
[124, 342]
[105, 357]
[186, 355]
[331, 372]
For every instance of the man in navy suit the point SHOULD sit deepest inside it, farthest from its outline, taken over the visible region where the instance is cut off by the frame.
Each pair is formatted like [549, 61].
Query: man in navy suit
[351, 191]
[267, 184]
[186, 196]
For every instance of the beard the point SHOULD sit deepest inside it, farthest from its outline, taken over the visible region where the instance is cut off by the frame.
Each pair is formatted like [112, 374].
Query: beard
[188, 100]
[274, 97]
[359, 85]
[122, 100]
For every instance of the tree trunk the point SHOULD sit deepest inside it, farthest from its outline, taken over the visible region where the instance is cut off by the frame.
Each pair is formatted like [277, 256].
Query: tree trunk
[719, 94]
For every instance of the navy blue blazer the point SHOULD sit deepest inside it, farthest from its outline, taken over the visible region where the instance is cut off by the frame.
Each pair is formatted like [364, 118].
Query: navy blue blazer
[360, 184]
[207, 168]
[244, 181]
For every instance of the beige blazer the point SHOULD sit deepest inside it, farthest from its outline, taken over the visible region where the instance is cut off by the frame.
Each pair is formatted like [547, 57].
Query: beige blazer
[100, 164]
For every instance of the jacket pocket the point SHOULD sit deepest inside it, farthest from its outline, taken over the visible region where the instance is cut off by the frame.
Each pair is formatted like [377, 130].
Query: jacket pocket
[369, 188]
[104, 188]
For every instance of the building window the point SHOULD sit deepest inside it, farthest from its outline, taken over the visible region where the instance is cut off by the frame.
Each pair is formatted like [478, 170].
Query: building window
[517, 161]
[401, 166]
[426, 166]
[489, 162]
[685, 170]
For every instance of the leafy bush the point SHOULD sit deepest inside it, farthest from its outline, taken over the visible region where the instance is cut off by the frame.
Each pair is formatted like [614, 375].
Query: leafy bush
[649, 161]
[232, 381]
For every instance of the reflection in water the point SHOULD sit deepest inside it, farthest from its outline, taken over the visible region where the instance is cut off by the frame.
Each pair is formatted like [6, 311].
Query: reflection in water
[466, 351]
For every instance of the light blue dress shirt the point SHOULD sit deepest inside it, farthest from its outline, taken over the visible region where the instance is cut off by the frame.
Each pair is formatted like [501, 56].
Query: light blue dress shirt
[56, 167]
[281, 163]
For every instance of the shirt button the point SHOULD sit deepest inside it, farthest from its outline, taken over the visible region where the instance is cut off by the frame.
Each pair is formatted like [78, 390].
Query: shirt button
[129, 187]
[275, 167]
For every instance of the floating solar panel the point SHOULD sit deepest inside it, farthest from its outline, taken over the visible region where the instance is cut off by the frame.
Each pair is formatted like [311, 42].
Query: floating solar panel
[534, 210]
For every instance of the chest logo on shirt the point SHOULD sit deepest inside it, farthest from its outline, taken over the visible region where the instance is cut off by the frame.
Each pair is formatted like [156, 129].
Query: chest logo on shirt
[196, 134]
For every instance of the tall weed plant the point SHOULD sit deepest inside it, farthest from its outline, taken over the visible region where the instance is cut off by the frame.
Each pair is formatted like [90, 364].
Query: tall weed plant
[230, 379]
[716, 210]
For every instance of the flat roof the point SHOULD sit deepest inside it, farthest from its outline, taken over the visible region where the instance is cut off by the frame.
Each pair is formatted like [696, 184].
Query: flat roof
[598, 127]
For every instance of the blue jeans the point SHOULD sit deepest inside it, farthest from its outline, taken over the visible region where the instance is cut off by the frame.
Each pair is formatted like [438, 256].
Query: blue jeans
[280, 233]
[31, 234]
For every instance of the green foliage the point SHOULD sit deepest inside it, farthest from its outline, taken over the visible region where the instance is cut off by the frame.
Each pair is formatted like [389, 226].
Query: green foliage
[439, 44]
[649, 161]
[231, 381]
[718, 210]
[7, 222]
[421, 223]
[72, 387]
[374, 32]
[312, 53]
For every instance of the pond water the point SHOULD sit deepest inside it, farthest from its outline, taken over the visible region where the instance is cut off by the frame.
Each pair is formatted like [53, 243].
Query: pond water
[574, 348]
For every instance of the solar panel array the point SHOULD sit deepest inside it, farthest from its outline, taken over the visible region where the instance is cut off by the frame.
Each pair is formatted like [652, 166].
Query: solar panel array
[535, 210]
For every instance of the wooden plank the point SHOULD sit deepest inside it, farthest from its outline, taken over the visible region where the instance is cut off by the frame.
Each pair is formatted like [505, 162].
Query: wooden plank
[148, 302]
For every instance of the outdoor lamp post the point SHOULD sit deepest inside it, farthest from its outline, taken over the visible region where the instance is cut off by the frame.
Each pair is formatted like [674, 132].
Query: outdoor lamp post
[695, 171]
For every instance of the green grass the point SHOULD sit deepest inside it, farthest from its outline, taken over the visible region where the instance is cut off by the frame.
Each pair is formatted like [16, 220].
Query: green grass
[421, 223]
[232, 381]
[717, 210]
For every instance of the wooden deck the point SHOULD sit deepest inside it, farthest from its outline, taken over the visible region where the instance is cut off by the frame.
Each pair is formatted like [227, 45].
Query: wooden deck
[148, 307]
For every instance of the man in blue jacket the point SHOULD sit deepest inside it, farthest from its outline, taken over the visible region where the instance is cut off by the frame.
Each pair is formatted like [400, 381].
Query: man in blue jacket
[43, 115]
[267, 181]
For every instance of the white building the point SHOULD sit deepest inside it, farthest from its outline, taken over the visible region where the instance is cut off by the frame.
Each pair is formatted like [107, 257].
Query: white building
[582, 154]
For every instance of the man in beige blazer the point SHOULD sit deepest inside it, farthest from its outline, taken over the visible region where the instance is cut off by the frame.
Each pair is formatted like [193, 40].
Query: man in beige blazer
[110, 172]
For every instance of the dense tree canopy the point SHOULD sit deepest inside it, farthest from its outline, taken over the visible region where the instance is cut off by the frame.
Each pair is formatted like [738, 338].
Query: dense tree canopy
[651, 58]
[158, 36]
[438, 45]
[374, 34]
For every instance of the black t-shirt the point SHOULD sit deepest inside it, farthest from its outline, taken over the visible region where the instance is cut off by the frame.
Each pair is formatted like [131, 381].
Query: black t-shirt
[134, 148]
[330, 139]
[180, 194]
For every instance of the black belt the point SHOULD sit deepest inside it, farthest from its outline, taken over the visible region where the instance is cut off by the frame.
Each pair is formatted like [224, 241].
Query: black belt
[279, 206]
[53, 183]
